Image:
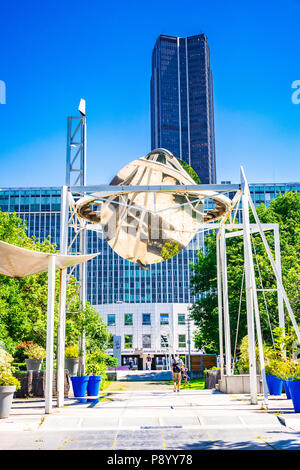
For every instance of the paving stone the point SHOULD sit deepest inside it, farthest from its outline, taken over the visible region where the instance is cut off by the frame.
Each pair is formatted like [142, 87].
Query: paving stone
[54, 423]
[140, 439]
[139, 421]
[291, 420]
[180, 420]
[90, 422]
[259, 420]
[219, 420]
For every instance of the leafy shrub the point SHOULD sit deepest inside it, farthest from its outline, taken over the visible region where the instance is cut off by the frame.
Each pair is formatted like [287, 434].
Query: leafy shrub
[283, 369]
[97, 364]
[6, 370]
[72, 352]
[211, 369]
[294, 372]
[111, 361]
[94, 366]
[32, 350]
[20, 366]
[36, 352]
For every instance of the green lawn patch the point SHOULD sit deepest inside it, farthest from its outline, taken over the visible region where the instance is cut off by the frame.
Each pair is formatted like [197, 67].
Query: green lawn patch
[194, 384]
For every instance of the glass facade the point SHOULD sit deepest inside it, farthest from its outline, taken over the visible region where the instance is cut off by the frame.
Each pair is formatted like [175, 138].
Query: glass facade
[111, 320]
[128, 319]
[146, 319]
[111, 279]
[182, 115]
[181, 341]
[146, 341]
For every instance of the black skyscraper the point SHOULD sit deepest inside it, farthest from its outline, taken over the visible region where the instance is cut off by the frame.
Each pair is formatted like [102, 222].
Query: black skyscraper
[182, 110]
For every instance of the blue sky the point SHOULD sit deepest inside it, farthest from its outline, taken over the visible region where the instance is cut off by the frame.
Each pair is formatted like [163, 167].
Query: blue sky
[54, 53]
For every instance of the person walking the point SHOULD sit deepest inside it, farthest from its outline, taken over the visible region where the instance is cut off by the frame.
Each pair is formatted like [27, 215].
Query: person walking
[148, 362]
[185, 376]
[177, 365]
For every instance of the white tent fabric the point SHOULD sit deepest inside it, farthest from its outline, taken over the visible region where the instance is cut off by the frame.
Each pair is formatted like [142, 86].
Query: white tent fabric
[20, 262]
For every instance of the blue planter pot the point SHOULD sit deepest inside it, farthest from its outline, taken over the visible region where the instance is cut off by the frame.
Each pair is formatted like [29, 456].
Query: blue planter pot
[274, 384]
[79, 387]
[294, 387]
[287, 389]
[93, 387]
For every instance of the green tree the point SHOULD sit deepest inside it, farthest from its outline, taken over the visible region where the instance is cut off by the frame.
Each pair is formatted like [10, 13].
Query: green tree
[169, 250]
[23, 302]
[284, 210]
[190, 171]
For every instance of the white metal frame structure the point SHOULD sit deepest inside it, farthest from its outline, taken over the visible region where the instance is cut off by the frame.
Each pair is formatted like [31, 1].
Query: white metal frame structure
[242, 193]
[245, 229]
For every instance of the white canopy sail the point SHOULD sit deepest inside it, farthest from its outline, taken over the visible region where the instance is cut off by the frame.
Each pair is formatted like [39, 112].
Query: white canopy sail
[20, 262]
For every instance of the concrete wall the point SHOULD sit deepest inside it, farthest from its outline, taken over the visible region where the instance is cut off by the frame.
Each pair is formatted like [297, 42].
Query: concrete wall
[238, 384]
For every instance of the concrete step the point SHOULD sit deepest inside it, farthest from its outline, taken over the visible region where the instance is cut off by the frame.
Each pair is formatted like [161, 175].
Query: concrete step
[143, 375]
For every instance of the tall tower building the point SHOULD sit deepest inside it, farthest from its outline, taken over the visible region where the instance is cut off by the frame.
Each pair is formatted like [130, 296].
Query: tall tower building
[182, 109]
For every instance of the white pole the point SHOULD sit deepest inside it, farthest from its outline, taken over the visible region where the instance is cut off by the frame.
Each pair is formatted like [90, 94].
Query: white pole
[82, 276]
[60, 359]
[220, 305]
[50, 333]
[258, 331]
[278, 279]
[249, 290]
[82, 269]
[64, 217]
[225, 302]
[278, 266]
[189, 340]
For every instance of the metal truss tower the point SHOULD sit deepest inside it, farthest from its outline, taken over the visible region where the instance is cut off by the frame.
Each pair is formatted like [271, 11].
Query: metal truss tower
[76, 175]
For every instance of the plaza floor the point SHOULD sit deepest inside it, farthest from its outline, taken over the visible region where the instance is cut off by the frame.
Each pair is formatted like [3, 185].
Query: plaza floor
[153, 417]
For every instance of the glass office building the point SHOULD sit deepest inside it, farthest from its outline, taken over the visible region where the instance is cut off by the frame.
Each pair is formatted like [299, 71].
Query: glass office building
[182, 108]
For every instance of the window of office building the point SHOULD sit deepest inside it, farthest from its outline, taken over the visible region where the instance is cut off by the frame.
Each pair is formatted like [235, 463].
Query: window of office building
[146, 341]
[181, 341]
[164, 341]
[181, 318]
[128, 340]
[146, 319]
[128, 319]
[111, 320]
[164, 318]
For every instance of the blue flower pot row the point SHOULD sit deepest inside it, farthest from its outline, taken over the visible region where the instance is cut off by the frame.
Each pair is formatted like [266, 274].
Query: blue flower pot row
[86, 384]
[291, 387]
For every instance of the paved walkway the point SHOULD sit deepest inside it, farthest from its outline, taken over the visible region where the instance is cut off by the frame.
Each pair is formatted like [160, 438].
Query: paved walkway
[139, 385]
[150, 419]
[143, 375]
